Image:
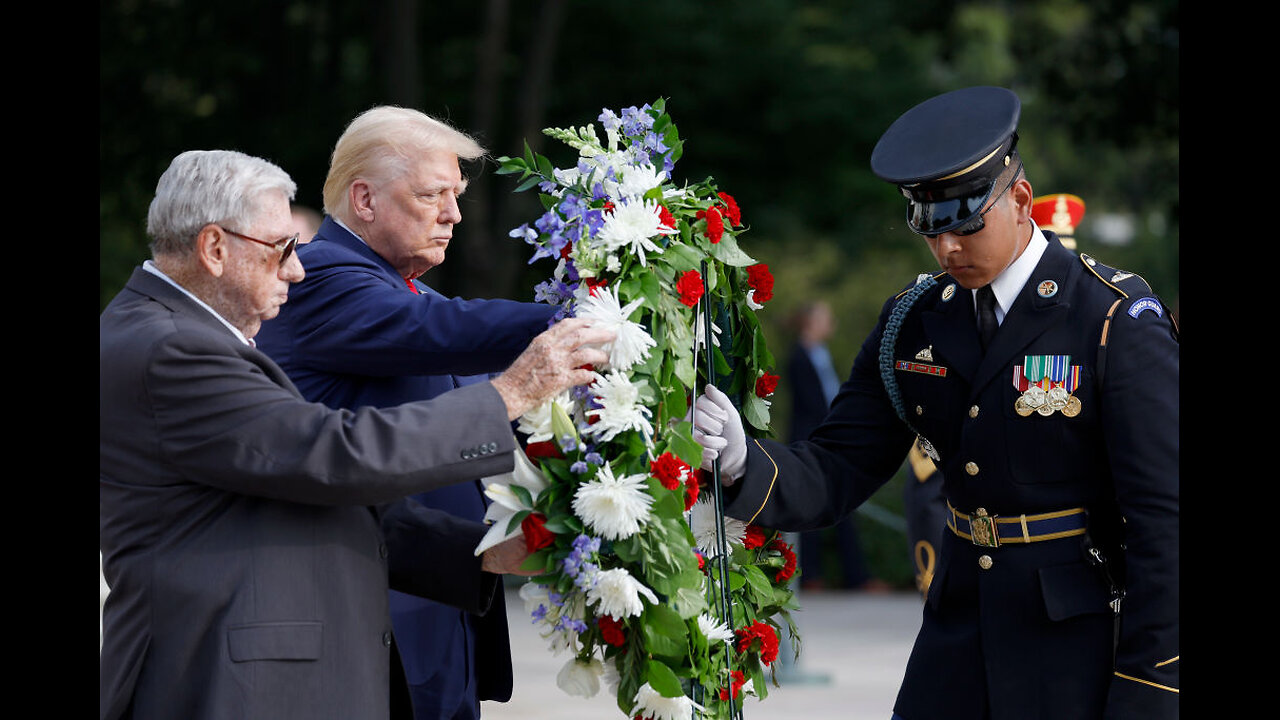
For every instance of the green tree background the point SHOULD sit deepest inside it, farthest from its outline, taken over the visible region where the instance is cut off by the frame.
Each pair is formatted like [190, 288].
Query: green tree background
[781, 101]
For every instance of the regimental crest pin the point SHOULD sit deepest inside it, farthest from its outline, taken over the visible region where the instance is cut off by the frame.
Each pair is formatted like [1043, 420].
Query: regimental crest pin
[1121, 275]
[925, 355]
[1047, 288]
[948, 292]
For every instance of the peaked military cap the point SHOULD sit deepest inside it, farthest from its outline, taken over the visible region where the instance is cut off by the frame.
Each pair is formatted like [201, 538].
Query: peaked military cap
[946, 153]
[1059, 213]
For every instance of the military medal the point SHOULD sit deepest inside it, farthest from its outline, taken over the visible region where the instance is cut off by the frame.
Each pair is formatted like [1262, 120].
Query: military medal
[1046, 383]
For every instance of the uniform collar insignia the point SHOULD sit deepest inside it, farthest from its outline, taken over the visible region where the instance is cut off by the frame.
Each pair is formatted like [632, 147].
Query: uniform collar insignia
[925, 355]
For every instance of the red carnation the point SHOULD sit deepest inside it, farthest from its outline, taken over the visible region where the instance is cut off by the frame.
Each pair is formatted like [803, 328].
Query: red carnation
[546, 448]
[669, 469]
[788, 560]
[702, 562]
[715, 223]
[766, 384]
[536, 535]
[594, 283]
[665, 217]
[690, 287]
[691, 485]
[768, 638]
[760, 280]
[731, 208]
[754, 537]
[738, 681]
[611, 630]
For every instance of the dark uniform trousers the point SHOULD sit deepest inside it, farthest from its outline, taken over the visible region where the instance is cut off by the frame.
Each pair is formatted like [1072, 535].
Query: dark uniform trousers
[1023, 630]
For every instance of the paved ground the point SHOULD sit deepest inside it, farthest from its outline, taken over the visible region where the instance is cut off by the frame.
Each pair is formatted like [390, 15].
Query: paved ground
[854, 649]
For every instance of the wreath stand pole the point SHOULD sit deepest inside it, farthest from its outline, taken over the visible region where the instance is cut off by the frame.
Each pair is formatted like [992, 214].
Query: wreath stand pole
[724, 601]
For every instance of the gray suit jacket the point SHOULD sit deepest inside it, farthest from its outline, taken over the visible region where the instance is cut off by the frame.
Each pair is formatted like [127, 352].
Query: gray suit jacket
[247, 568]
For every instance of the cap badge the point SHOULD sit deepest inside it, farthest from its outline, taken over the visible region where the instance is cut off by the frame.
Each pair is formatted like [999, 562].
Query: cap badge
[948, 292]
[1121, 275]
[1047, 288]
[1047, 383]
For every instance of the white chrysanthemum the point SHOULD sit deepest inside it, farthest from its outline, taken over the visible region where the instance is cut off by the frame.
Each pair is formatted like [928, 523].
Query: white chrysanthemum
[537, 422]
[621, 408]
[505, 502]
[580, 677]
[713, 629]
[640, 179]
[651, 704]
[619, 594]
[613, 507]
[700, 333]
[703, 523]
[605, 309]
[631, 227]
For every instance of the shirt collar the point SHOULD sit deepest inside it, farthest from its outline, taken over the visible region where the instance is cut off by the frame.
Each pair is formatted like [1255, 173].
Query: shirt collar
[150, 267]
[1009, 283]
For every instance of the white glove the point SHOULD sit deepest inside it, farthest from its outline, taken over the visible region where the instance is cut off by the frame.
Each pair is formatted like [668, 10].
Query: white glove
[718, 429]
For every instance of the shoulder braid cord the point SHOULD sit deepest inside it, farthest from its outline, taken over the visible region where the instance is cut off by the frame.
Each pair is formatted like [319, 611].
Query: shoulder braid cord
[888, 341]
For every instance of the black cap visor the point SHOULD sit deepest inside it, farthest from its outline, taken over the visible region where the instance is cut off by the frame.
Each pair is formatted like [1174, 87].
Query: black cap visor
[928, 214]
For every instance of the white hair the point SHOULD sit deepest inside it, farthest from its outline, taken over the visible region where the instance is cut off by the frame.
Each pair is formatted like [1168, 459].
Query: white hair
[209, 186]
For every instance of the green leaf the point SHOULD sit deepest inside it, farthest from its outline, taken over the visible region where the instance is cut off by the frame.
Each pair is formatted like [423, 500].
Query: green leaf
[758, 582]
[664, 680]
[688, 601]
[665, 632]
[683, 258]
[755, 412]
[680, 443]
[728, 252]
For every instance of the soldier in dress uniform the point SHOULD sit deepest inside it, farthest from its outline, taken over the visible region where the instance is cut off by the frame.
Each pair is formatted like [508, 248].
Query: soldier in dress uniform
[925, 505]
[1044, 385]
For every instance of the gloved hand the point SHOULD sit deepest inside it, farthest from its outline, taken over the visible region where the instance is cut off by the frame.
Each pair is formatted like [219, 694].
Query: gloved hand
[718, 429]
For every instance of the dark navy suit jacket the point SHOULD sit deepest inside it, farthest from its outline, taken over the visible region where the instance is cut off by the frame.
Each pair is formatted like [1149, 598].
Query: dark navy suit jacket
[353, 334]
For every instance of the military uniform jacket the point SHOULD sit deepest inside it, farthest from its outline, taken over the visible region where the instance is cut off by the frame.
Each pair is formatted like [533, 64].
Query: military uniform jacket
[1022, 630]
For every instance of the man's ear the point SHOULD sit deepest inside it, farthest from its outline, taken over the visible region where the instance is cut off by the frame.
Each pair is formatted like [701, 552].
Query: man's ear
[211, 249]
[1022, 196]
[362, 200]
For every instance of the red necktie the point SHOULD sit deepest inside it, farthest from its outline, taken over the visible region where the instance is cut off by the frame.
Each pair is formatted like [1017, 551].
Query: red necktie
[409, 282]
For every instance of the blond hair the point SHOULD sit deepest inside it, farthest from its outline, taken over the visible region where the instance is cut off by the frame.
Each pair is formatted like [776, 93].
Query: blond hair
[381, 142]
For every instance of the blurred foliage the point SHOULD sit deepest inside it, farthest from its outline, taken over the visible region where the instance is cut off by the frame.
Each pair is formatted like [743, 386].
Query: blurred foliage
[781, 101]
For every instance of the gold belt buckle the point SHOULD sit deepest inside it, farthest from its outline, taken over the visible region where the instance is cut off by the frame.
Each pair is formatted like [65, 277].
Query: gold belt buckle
[982, 528]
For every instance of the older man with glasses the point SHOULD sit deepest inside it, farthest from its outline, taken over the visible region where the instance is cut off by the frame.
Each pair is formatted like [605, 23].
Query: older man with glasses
[1044, 385]
[239, 524]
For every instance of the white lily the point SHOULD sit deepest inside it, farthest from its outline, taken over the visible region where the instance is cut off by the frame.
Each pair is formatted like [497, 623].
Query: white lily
[506, 503]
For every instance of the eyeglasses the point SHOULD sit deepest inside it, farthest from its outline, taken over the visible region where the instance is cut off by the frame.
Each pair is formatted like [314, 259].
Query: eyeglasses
[976, 224]
[289, 243]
